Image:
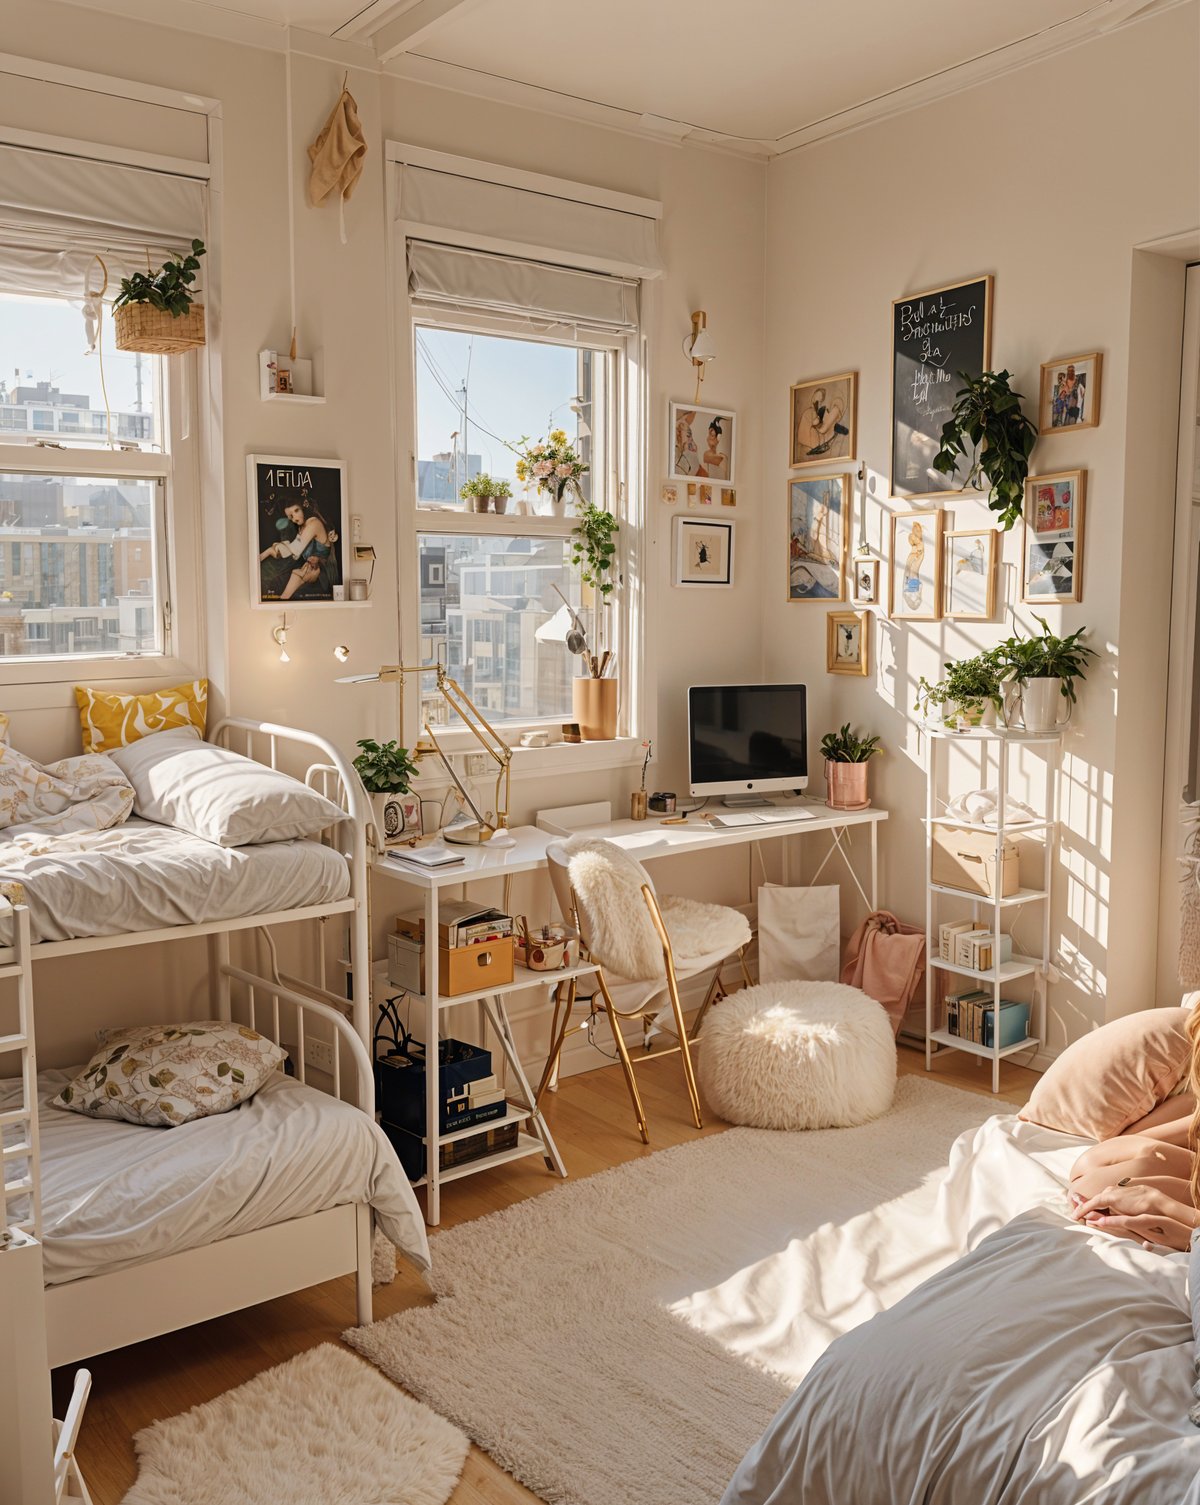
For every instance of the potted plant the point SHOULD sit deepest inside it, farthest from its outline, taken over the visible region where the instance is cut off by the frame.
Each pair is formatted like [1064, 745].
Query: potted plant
[156, 312]
[1045, 667]
[554, 466]
[987, 422]
[481, 490]
[971, 692]
[385, 769]
[846, 758]
[594, 552]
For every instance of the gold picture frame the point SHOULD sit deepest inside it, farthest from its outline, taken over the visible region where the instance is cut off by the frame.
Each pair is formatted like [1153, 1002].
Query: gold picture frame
[1069, 396]
[865, 587]
[920, 570]
[969, 574]
[824, 433]
[818, 536]
[1052, 543]
[848, 643]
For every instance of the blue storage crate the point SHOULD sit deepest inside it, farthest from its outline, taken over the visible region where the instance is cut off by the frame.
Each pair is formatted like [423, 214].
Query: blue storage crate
[1014, 1024]
[400, 1077]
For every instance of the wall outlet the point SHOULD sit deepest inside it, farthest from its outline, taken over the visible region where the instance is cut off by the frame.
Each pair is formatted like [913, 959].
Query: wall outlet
[319, 1054]
[356, 529]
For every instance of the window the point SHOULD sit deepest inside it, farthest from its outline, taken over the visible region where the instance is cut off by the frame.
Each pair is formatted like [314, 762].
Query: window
[85, 524]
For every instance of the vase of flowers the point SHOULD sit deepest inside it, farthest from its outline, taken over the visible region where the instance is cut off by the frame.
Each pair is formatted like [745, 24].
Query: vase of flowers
[554, 467]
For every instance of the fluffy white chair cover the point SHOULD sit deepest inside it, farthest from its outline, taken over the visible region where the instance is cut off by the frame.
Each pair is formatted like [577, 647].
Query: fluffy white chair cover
[798, 1055]
[608, 884]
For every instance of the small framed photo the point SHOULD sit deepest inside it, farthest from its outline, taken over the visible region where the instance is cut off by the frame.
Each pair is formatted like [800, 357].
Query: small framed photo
[818, 537]
[824, 420]
[1070, 394]
[847, 642]
[969, 575]
[298, 514]
[706, 496]
[915, 586]
[865, 573]
[669, 493]
[1052, 554]
[702, 442]
[728, 496]
[703, 552]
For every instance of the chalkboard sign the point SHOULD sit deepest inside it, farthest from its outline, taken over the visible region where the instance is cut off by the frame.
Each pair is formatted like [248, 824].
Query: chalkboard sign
[935, 335]
[297, 528]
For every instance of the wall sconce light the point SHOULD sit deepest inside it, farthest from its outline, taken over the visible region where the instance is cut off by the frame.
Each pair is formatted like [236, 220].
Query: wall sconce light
[341, 653]
[698, 347]
[280, 635]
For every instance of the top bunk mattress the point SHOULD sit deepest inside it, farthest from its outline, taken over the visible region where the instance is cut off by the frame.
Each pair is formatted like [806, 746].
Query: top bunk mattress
[142, 876]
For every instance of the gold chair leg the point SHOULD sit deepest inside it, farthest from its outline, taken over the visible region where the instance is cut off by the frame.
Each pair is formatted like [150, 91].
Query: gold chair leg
[684, 1049]
[715, 991]
[623, 1052]
[558, 1034]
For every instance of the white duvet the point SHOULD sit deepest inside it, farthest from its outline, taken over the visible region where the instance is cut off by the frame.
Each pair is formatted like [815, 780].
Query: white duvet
[1047, 1364]
[117, 1194]
[143, 876]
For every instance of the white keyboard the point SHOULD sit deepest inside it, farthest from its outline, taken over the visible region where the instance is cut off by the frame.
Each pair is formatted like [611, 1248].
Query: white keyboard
[771, 817]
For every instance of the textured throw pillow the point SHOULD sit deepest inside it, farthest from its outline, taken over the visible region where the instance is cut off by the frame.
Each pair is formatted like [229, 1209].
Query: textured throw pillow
[219, 795]
[162, 1075]
[1114, 1076]
[109, 720]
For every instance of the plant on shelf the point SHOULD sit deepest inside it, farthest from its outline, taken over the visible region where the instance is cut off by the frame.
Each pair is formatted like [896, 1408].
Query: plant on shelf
[386, 770]
[168, 289]
[846, 758]
[553, 465]
[969, 686]
[987, 422]
[1046, 656]
[593, 543]
[481, 489]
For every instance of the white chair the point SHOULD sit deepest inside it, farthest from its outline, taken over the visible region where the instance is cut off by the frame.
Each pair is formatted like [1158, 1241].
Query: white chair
[644, 948]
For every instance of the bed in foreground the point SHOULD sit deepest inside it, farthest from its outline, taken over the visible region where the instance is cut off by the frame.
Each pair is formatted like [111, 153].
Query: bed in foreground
[1049, 1363]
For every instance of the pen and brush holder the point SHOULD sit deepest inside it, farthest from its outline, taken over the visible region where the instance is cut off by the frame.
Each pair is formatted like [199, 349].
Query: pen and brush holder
[594, 707]
[638, 804]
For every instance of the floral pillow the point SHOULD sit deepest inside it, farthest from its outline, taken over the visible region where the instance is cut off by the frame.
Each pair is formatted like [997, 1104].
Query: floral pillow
[162, 1075]
[75, 794]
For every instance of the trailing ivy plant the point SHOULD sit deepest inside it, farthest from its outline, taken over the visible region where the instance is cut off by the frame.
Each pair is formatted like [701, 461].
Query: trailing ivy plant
[988, 423]
[385, 767]
[593, 542]
[844, 746]
[169, 288]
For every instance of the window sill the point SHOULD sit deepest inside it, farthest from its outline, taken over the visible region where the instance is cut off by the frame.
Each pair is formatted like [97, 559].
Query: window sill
[535, 762]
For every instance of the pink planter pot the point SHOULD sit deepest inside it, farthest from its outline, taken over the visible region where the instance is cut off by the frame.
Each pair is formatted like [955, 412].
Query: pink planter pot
[846, 786]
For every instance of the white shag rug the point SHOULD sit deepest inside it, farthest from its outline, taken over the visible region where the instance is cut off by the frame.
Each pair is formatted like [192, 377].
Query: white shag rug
[798, 1055]
[622, 1340]
[322, 1429]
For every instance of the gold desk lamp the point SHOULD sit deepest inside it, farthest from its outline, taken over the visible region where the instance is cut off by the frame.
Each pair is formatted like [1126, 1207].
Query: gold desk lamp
[464, 831]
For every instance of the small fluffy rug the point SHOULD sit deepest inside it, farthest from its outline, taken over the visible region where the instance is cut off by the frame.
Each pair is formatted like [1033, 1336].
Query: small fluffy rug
[622, 1340]
[322, 1429]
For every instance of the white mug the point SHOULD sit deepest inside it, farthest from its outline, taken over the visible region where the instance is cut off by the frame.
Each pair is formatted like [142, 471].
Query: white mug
[358, 590]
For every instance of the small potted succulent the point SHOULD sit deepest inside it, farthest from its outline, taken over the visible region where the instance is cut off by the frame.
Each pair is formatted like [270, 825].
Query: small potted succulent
[483, 491]
[970, 694]
[1045, 667]
[386, 770]
[846, 757]
[156, 312]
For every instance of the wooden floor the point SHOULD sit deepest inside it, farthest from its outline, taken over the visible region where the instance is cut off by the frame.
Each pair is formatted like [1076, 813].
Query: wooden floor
[593, 1125]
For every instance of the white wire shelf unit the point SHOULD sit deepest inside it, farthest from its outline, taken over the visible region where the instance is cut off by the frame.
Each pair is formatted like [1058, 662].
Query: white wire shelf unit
[995, 747]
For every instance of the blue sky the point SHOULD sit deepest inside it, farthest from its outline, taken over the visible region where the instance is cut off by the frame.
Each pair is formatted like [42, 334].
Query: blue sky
[46, 337]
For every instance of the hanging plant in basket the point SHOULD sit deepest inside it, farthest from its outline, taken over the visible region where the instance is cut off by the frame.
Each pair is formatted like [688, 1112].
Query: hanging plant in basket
[156, 313]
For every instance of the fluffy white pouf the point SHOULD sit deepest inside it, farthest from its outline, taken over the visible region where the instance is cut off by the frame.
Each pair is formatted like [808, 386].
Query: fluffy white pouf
[798, 1055]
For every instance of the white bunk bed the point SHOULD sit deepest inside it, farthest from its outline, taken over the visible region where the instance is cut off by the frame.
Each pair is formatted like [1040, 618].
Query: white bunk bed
[135, 1299]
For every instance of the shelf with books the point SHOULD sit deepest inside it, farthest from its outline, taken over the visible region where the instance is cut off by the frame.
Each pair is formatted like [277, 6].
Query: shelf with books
[1008, 971]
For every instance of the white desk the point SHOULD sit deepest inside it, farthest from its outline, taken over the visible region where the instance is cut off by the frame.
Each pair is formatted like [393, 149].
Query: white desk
[646, 840]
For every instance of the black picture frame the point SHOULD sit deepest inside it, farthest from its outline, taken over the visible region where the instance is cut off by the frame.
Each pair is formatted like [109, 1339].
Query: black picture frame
[277, 485]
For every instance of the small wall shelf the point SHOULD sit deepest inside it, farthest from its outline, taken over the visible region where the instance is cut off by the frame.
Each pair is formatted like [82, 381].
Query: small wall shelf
[305, 376]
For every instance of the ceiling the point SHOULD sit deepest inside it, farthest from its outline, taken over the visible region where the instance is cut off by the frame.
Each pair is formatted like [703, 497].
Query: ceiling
[759, 76]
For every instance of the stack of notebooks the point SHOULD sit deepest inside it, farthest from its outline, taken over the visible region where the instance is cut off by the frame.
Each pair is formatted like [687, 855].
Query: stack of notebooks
[426, 859]
[971, 1016]
[461, 922]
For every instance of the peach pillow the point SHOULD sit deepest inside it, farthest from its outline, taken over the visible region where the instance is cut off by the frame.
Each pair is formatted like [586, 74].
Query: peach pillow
[1114, 1076]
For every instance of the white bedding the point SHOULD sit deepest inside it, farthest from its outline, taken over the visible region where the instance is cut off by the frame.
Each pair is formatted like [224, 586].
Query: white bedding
[1048, 1363]
[142, 876]
[117, 1194]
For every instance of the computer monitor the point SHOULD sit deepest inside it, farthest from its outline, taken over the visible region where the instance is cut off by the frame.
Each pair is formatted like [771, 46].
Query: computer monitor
[747, 739]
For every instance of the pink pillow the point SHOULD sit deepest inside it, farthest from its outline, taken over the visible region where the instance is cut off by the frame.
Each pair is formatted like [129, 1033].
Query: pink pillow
[1114, 1076]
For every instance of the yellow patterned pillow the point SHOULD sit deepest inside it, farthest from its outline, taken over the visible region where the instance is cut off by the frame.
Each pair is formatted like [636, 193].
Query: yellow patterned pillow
[109, 720]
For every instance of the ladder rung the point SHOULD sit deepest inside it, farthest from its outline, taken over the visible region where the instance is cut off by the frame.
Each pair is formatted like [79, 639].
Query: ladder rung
[18, 1188]
[13, 1042]
[17, 1152]
[12, 969]
[16, 1116]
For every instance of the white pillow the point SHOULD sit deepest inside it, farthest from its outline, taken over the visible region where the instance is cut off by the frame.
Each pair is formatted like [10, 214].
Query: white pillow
[218, 795]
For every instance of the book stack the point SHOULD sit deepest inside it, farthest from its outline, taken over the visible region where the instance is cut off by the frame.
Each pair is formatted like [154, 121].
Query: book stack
[474, 1103]
[977, 949]
[461, 922]
[971, 1016]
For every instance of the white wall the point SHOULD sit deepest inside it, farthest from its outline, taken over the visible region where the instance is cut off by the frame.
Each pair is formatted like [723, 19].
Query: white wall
[980, 182]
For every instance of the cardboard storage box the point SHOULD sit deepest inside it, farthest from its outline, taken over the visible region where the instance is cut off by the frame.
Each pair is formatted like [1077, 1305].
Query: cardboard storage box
[966, 860]
[465, 969]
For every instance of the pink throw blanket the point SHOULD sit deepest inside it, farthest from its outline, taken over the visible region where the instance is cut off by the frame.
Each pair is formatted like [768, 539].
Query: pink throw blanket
[886, 959]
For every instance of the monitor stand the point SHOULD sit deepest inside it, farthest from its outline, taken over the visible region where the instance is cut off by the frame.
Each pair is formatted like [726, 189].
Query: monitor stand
[743, 801]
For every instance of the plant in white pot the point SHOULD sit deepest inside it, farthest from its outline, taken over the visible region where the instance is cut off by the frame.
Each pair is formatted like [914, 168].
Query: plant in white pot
[386, 770]
[1045, 667]
[969, 695]
[846, 757]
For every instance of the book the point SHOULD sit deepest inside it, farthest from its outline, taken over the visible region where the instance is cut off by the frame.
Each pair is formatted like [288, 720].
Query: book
[947, 934]
[426, 858]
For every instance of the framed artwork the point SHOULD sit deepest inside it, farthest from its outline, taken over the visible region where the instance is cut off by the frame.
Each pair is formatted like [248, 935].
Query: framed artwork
[1070, 394]
[824, 420]
[847, 642]
[818, 537]
[706, 496]
[703, 552]
[865, 573]
[1052, 555]
[969, 574]
[935, 335]
[915, 593]
[669, 493]
[728, 496]
[297, 524]
[702, 443]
